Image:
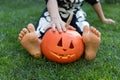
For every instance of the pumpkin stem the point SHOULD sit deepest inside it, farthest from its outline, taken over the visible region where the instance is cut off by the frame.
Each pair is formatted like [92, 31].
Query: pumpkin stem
[69, 20]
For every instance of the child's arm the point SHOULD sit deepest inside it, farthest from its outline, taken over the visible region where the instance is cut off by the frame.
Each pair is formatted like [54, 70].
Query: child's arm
[56, 20]
[100, 13]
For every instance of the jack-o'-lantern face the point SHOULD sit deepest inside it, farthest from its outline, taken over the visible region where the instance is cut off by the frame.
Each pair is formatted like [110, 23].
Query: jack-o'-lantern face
[63, 50]
[62, 47]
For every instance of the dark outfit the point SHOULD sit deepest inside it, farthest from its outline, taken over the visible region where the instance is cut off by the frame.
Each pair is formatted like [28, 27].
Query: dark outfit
[65, 8]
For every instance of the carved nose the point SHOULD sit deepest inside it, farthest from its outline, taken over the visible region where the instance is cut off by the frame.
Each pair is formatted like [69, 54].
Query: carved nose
[64, 49]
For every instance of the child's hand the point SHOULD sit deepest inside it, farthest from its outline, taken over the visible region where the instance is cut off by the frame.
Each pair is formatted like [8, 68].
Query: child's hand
[59, 24]
[109, 21]
[56, 24]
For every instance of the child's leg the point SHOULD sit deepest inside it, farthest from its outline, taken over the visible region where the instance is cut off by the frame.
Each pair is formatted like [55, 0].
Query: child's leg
[29, 37]
[30, 41]
[91, 38]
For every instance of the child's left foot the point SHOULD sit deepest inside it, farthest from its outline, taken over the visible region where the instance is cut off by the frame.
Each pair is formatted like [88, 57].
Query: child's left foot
[30, 41]
[91, 38]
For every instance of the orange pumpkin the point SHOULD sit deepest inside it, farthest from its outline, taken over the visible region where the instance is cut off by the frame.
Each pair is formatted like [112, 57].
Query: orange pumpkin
[62, 47]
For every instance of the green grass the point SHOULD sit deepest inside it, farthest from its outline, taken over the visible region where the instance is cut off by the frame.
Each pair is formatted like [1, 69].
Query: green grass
[17, 64]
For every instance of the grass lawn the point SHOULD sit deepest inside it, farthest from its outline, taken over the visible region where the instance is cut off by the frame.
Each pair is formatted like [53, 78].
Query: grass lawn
[17, 64]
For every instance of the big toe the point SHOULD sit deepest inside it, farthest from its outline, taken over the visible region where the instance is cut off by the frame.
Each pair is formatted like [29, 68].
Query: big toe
[31, 27]
[85, 29]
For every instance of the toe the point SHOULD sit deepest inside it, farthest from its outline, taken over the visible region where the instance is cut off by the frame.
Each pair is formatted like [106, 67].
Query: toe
[98, 34]
[22, 33]
[31, 27]
[20, 37]
[93, 29]
[25, 30]
[85, 29]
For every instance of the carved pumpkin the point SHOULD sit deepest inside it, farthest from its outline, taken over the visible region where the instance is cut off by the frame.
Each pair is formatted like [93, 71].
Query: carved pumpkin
[62, 47]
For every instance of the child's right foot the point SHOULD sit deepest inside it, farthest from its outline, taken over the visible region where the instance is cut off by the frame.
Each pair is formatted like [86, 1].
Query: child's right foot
[30, 41]
[91, 38]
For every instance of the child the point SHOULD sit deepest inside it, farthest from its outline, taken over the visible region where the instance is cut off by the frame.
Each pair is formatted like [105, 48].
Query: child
[55, 16]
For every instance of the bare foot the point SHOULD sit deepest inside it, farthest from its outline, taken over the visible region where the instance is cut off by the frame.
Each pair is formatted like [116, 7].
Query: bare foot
[91, 38]
[30, 41]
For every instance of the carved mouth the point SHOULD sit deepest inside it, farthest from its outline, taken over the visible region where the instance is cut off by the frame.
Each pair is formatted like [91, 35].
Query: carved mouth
[63, 56]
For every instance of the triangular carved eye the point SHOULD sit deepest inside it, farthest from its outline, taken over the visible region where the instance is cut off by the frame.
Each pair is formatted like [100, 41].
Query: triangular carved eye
[71, 45]
[60, 43]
